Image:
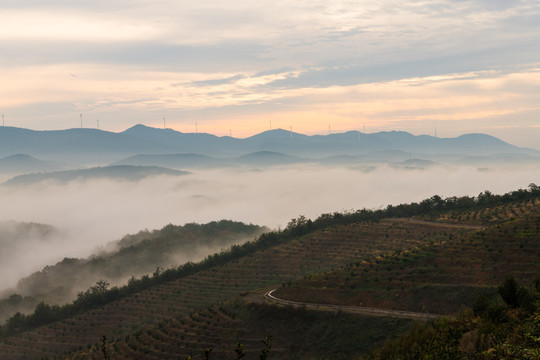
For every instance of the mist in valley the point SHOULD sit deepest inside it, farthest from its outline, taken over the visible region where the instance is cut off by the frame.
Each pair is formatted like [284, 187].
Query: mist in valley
[86, 215]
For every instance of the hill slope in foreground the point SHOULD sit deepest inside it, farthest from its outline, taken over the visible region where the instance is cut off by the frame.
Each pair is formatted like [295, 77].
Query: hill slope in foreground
[433, 256]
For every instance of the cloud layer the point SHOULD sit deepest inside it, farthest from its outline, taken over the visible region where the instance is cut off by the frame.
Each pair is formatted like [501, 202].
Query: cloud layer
[92, 213]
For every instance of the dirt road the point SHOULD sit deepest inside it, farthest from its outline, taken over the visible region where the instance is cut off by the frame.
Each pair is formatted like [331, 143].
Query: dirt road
[351, 309]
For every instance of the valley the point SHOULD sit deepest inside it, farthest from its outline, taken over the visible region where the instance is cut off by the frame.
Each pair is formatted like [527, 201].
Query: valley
[271, 180]
[436, 260]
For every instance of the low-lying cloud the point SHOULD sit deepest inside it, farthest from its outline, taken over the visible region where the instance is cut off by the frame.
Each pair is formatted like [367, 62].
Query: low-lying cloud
[90, 214]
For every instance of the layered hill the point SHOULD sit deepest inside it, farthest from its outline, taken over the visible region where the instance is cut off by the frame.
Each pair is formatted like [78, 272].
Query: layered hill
[428, 248]
[21, 163]
[441, 275]
[97, 146]
[133, 255]
[115, 172]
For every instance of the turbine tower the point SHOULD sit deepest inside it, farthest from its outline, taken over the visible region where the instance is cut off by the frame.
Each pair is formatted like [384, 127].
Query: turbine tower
[81, 121]
[3, 123]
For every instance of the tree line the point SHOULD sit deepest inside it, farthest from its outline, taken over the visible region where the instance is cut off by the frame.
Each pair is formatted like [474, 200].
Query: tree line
[99, 295]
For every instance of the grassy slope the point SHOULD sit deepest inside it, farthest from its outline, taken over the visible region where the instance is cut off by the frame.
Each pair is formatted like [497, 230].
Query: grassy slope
[135, 255]
[316, 334]
[360, 244]
[316, 252]
[440, 276]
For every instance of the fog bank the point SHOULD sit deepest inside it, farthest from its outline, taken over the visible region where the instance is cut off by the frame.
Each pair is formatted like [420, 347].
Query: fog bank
[92, 213]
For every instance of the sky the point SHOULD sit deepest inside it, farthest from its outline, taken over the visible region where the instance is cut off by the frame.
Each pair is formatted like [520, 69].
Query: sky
[242, 67]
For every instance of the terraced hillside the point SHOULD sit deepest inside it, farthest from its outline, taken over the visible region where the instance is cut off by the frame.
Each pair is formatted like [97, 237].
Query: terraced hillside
[222, 327]
[439, 276]
[491, 213]
[133, 255]
[380, 256]
[319, 251]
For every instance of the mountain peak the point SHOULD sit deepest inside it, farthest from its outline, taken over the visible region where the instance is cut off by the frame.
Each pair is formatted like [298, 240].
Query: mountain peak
[143, 129]
[91, 144]
[275, 134]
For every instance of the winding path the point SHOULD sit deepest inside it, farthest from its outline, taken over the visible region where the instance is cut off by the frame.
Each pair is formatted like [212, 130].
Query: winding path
[441, 224]
[369, 310]
[352, 309]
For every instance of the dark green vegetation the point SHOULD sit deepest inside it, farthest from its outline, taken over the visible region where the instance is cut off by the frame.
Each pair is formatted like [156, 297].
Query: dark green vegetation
[192, 307]
[446, 271]
[134, 255]
[502, 326]
[317, 334]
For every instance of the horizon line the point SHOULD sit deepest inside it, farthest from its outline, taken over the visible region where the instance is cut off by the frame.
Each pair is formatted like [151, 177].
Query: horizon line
[262, 132]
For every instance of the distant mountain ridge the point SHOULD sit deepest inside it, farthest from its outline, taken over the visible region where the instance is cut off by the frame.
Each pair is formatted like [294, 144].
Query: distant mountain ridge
[98, 146]
[19, 163]
[116, 172]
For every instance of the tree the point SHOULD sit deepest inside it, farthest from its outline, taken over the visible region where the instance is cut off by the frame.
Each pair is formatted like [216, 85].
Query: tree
[239, 351]
[100, 287]
[104, 347]
[267, 346]
[42, 314]
[485, 198]
[509, 292]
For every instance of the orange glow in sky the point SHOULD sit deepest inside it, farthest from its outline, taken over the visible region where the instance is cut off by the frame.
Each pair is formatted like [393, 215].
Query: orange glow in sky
[315, 66]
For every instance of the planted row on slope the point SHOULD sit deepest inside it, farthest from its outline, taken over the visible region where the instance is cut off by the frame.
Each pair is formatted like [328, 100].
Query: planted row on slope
[496, 328]
[447, 271]
[311, 334]
[133, 255]
[272, 265]
[337, 253]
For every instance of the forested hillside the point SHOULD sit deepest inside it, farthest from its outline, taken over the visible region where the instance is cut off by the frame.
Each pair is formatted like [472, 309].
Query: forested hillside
[134, 255]
[501, 326]
[423, 257]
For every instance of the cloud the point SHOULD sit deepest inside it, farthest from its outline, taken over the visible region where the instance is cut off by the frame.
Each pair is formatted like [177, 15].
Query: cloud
[285, 34]
[217, 61]
[221, 81]
[92, 213]
[245, 102]
[46, 25]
